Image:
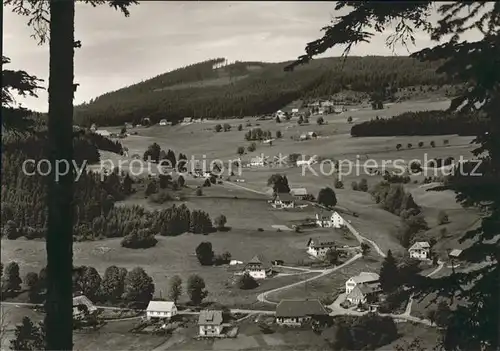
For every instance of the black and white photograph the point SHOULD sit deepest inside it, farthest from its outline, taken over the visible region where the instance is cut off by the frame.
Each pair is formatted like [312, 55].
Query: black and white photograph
[250, 175]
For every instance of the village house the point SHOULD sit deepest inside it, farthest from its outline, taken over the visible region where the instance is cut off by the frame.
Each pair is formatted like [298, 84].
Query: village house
[157, 310]
[299, 193]
[364, 293]
[420, 250]
[455, 253]
[304, 136]
[329, 221]
[103, 132]
[338, 110]
[258, 267]
[310, 161]
[163, 122]
[318, 248]
[187, 120]
[82, 306]
[295, 111]
[312, 135]
[361, 278]
[210, 323]
[257, 161]
[298, 312]
[283, 200]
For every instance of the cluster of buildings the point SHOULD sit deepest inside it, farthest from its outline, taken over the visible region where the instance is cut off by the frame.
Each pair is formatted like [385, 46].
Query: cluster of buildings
[211, 323]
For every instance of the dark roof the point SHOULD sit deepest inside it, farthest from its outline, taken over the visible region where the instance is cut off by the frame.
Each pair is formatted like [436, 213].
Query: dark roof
[319, 244]
[300, 308]
[285, 197]
[210, 317]
[369, 288]
[259, 259]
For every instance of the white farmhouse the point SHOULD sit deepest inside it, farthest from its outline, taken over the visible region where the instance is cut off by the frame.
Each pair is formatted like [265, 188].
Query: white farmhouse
[420, 250]
[318, 248]
[310, 161]
[361, 278]
[161, 310]
[283, 200]
[82, 306]
[258, 268]
[258, 161]
[103, 132]
[330, 221]
[210, 323]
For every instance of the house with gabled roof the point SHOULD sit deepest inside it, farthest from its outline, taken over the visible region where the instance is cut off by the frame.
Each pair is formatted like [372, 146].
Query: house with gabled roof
[258, 161]
[361, 278]
[363, 293]
[258, 267]
[327, 220]
[283, 200]
[455, 253]
[210, 323]
[420, 250]
[161, 310]
[82, 306]
[318, 248]
[298, 312]
[299, 193]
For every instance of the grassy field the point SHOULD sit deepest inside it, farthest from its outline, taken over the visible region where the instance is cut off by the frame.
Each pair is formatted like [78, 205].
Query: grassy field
[175, 255]
[246, 208]
[331, 284]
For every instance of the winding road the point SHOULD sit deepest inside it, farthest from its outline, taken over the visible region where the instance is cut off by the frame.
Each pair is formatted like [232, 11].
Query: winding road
[263, 296]
[336, 309]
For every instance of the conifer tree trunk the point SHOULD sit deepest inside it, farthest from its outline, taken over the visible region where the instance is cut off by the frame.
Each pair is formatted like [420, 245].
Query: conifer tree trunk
[59, 320]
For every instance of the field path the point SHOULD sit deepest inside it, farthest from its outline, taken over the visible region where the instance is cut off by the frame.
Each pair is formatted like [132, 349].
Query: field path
[361, 238]
[410, 301]
[263, 296]
[245, 188]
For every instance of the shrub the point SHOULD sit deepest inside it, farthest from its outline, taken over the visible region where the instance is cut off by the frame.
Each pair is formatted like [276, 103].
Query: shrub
[139, 239]
[247, 282]
[443, 217]
[338, 184]
[161, 197]
[199, 192]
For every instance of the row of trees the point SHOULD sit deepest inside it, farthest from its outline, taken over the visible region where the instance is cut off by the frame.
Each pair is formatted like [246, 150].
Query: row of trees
[434, 122]
[117, 285]
[393, 198]
[258, 134]
[156, 154]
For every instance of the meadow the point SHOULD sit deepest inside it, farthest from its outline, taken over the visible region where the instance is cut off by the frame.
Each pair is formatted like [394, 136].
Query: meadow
[246, 208]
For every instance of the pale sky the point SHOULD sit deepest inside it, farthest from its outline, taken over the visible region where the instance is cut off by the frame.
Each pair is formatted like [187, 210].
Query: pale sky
[165, 35]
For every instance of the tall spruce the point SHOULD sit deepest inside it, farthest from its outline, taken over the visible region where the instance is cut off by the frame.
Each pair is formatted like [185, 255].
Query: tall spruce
[60, 16]
[389, 274]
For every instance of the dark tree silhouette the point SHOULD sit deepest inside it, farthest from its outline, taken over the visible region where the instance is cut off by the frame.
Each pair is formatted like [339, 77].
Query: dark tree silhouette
[60, 30]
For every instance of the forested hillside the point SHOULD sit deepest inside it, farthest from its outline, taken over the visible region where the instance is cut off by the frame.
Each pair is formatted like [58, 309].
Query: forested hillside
[24, 195]
[422, 123]
[211, 90]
